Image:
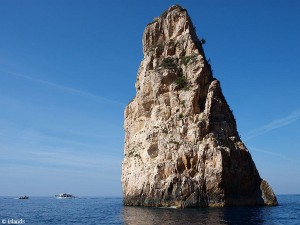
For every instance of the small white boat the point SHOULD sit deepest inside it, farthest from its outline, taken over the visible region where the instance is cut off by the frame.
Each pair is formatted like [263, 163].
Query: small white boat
[64, 196]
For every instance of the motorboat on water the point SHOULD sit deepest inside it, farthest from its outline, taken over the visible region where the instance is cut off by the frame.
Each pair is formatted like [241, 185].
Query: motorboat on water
[64, 196]
[24, 197]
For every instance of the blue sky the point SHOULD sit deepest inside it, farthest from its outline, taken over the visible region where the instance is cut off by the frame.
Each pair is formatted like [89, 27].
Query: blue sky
[68, 68]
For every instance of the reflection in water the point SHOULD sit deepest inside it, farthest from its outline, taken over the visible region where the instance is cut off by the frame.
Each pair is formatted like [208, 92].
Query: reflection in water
[232, 215]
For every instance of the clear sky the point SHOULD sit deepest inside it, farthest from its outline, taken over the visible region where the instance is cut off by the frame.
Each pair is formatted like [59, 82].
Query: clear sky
[68, 68]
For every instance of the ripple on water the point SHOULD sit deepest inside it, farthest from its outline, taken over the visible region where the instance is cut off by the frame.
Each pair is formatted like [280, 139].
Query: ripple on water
[43, 210]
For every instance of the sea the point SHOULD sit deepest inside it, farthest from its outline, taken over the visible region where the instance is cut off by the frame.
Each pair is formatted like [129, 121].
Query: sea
[97, 210]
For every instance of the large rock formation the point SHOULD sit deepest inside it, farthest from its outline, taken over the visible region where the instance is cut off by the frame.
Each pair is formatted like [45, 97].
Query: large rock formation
[182, 148]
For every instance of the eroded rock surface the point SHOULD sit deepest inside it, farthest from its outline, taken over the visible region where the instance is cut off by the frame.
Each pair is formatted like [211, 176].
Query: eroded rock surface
[182, 148]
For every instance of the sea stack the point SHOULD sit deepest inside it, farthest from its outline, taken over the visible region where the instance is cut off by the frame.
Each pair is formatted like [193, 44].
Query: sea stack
[182, 147]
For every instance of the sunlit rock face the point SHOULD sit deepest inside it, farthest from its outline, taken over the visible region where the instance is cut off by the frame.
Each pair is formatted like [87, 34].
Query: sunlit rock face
[182, 148]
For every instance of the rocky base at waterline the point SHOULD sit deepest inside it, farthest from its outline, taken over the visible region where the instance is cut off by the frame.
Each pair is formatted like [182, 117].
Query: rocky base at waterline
[182, 148]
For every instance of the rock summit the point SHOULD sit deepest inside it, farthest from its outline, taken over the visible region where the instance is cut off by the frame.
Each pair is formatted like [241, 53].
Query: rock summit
[182, 147]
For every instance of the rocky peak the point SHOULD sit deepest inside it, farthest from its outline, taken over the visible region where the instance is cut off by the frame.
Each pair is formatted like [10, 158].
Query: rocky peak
[182, 146]
[170, 27]
[171, 24]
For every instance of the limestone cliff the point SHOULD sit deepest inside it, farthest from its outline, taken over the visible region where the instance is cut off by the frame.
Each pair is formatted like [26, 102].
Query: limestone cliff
[182, 148]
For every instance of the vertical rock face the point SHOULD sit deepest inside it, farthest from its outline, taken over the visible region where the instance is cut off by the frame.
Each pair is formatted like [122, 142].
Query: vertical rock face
[182, 148]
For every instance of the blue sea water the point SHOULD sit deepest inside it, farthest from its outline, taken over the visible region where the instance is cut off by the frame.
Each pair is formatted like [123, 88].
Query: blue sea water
[48, 210]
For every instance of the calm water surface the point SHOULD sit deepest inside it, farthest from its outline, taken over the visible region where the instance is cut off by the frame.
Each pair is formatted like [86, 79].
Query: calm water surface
[46, 210]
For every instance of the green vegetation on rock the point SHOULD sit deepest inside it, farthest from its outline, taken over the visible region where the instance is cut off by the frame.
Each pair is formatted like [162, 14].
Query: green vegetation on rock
[182, 82]
[189, 58]
[168, 63]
